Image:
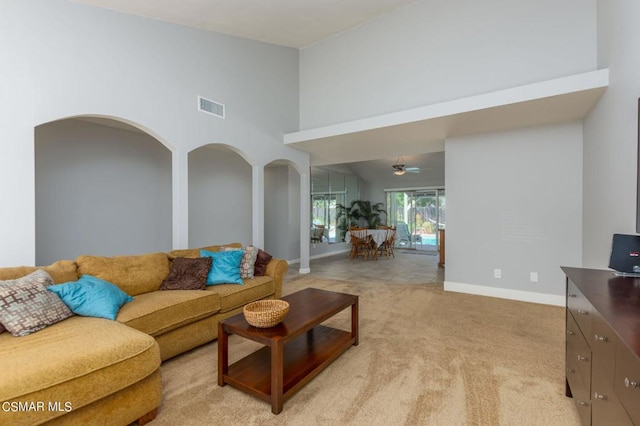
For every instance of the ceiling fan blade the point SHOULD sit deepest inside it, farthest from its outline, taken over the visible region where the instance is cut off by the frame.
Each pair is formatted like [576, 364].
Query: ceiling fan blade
[412, 169]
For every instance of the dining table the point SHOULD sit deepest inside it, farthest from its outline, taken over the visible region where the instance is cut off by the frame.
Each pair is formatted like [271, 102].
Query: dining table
[378, 235]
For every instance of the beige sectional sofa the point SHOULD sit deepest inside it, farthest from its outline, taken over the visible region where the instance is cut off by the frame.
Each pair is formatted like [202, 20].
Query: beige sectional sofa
[85, 370]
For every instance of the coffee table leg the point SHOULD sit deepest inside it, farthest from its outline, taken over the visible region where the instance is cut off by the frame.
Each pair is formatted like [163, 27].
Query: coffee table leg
[354, 322]
[223, 354]
[277, 374]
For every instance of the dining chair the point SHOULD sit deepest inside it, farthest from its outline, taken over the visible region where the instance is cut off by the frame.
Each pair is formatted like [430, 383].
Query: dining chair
[362, 244]
[386, 247]
[317, 233]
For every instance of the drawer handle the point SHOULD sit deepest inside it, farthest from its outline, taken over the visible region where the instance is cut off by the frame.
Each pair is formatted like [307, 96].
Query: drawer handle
[571, 370]
[599, 396]
[582, 358]
[582, 403]
[601, 339]
[583, 312]
[570, 333]
[572, 295]
[631, 383]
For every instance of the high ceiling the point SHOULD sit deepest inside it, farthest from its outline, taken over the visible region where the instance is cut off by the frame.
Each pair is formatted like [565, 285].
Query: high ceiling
[300, 23]
[293, 23]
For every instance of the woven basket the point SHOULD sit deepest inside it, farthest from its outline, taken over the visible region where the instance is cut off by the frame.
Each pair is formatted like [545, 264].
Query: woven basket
[266, 313]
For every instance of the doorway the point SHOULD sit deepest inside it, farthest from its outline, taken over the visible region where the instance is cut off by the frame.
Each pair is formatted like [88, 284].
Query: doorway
[417, 215]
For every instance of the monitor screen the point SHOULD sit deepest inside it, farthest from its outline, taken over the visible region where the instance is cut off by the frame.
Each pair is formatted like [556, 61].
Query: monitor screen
[625, 253]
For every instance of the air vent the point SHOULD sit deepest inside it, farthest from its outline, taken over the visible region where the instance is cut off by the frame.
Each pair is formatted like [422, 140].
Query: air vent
[210, 107]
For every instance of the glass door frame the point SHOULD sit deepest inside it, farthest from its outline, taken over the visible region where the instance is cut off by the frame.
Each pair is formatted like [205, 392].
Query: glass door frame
[421, 227]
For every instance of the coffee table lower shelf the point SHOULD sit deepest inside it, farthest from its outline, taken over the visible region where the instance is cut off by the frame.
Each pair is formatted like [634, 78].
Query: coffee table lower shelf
[303, 358]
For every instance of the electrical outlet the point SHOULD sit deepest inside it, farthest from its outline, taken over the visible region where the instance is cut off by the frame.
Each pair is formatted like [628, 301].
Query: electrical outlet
[497, 273]
[534, 277]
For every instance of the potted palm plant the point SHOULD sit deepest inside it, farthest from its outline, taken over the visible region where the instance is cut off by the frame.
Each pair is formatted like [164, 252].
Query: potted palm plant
[358, 213]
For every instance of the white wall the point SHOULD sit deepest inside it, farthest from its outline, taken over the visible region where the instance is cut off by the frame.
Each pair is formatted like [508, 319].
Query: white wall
[514, 202]
[611, 134]
[281, 207]
[434, 50]
[101, 191]
[61, 59]
[219, 197]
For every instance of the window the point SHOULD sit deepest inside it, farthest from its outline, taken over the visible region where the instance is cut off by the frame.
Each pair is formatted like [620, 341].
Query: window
[323, 212]
[329, 189]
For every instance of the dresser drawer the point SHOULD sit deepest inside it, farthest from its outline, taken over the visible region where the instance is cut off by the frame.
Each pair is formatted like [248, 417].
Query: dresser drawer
[627, 381]
[606, 408]
[579, 307]
[578, 361]
[603, 348]
[583, 406]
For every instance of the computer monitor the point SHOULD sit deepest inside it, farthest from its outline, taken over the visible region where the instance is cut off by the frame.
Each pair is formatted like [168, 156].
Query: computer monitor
[625, 254]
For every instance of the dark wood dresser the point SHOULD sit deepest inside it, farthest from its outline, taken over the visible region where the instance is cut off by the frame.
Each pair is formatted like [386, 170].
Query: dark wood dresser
[603, 346]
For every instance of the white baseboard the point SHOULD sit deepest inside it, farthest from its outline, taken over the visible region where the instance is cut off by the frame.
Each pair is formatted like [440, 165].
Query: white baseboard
[504, 293]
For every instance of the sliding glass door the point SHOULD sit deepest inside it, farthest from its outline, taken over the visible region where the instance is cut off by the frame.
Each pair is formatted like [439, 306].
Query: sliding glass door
[417, 215]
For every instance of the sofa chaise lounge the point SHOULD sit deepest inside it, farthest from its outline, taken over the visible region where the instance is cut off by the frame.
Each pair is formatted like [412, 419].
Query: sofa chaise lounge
[84, 370]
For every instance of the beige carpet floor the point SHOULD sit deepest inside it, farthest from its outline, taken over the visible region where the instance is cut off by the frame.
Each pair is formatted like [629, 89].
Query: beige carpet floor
[426, 357]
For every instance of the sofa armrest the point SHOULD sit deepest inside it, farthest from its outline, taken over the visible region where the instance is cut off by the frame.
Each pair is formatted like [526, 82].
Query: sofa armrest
[276, 269]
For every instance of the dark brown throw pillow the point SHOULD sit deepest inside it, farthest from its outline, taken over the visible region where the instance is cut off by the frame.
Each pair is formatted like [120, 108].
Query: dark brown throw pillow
[187, 274]
[261, 263]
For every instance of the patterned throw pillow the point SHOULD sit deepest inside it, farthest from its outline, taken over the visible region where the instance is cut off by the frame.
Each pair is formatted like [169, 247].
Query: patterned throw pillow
[26, 306]
[263, 259]
[248, 261]
[187, 274]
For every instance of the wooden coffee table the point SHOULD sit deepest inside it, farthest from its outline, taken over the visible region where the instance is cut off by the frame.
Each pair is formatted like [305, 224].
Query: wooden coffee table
[295, 351]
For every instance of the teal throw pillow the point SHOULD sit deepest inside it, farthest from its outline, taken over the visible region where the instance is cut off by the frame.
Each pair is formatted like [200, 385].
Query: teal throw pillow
[92, 297]
[225, 268]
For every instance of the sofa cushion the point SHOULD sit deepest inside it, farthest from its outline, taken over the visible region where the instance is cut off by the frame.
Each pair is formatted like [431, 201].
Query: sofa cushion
[233, 296]
[26, 306]
[86, 359]
[225, 268]
[187, 274]
[61, 271]
[160, 311]
[92, 297]
[133, 274]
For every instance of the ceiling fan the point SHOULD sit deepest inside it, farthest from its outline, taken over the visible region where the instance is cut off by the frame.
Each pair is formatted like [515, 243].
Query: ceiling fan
[400, 168]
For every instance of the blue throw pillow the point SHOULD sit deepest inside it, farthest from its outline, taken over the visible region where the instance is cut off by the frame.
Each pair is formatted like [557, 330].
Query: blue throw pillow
[92, 297]
[225, 268]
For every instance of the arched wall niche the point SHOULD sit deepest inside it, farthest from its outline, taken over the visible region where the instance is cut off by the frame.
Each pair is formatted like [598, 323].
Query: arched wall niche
[282, 209]
[220, 196]
[113, 121]
[103, 186]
